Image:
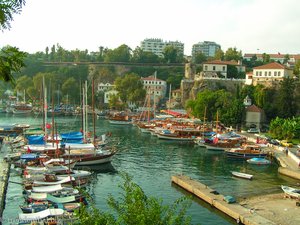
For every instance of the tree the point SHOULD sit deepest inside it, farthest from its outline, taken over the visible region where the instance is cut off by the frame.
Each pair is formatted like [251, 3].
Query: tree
[286, 102]
[140, 56]
[219, 55]
[172, 54]
[135, 207]
[130, 88]
[297, 68]
[120, 54]
[7, 9]
[70, 88]
[11, 60]
[265, 58]
[200, 58]
[233, 54]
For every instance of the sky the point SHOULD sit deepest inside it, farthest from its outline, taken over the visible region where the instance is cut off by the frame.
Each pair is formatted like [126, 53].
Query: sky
[252, 26]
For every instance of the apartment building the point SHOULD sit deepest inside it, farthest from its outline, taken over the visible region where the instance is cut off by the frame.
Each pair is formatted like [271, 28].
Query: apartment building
[208, 48]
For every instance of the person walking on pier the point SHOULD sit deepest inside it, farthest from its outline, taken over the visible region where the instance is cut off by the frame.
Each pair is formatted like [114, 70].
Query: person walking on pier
[286, 151]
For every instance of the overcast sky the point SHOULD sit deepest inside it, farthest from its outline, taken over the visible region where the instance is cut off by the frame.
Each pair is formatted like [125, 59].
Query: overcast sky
[252, 26]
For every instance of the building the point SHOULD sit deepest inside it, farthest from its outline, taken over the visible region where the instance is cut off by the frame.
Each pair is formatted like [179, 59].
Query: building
[208, 48]
[255, 117]
[157, 46]
[270, 72]
[155, 87]
[105, 87]
[221, 67]
[108, 94]
[293, 58]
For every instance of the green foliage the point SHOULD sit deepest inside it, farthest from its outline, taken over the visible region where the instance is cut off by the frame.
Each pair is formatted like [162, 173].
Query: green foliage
[7, 9]
[172, 54]
[140, 56]
[230, 109]
[135, 207]
[233, 54]
[219, 55]
[286, 102]
[286, 129]
[11, 60]
[130, 88]
[200, 58]
[120, 54]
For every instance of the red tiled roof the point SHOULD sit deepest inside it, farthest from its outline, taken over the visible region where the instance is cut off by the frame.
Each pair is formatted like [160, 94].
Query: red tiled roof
[253, 108]
[220, 62]
[151, 78]
[273, 65]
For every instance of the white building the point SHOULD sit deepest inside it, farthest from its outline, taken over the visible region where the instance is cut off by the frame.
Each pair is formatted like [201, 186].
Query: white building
[218, 66]
[108, 94]
[154, 86]
[208, 48]
[105, 87]
[157, 46]
[270, 72]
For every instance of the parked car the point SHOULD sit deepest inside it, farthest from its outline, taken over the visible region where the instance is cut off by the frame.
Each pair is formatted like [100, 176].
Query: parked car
[274, 142]
[253, 130]
[285, 143]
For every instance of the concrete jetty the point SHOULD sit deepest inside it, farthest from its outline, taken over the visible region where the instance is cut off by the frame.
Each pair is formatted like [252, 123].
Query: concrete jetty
[4, 176]
[234, 210]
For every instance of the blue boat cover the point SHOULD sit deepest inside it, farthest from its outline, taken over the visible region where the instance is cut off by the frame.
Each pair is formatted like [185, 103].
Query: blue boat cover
[29, 156]
[36, 140]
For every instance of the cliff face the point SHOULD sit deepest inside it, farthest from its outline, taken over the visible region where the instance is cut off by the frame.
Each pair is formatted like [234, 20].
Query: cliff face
[190, 88]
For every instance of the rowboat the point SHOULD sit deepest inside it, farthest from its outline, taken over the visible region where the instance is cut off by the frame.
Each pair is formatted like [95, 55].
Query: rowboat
[290, 191]
[259, 161]
[242, 175]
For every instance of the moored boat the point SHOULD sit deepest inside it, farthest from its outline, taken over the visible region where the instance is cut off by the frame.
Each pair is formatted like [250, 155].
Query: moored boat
[259, 161]
[291, 192]
[242, 175]
[246, 152]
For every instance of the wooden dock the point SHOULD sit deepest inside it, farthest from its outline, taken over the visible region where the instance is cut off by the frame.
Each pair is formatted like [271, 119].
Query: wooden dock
[4, 176]
[234, 210]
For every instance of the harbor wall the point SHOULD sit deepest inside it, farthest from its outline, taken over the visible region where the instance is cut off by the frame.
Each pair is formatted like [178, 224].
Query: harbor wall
[4, 177]
[234, 210]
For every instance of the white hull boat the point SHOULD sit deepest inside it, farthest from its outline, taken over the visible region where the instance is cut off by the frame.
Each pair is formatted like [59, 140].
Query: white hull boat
[292, 192]
[242, 175]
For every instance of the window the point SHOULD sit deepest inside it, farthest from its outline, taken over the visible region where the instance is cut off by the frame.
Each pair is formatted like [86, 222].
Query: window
[275, 73]
[278, 73]
[260, 73]
[223, 68]
[256, 73]
[266, 73]
[206, 68]
[269, 73]
[214, 68]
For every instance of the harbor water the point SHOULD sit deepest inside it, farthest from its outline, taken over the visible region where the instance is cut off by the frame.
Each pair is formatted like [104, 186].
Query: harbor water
[151, 162]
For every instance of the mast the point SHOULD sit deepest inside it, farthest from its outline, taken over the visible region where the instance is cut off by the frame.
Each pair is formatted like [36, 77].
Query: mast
[83, 114]
[170, 92]
[45, 106]
[93, 108]
[86, 108]
[154, 93]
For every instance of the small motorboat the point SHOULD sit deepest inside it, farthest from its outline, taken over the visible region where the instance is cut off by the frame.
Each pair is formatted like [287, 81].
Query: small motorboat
[242, 175]
[291, 192]
[259, 161]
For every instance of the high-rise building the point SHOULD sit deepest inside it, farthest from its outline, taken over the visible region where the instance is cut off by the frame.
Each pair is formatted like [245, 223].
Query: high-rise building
[208, 48]
[157, 46]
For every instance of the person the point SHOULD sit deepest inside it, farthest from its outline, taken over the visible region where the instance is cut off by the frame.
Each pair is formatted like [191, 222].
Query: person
[286, 151]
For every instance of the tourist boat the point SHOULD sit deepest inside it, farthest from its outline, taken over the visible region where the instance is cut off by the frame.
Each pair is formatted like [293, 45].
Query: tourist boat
[246, 152]
[242, 175]
[120, 119]
[291, 192]
[259, 161]
[176, 134]
[22, 108]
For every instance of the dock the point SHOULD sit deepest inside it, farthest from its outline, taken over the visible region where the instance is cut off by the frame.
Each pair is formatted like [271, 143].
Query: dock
[235, 210]
[4, 177]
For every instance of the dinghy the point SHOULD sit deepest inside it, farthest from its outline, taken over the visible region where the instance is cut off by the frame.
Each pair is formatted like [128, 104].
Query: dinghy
[290, 191]
[242, 175]
[259, 161]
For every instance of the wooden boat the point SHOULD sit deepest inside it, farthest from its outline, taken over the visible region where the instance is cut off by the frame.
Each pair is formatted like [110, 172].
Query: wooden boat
[291, 192]
[120, 119]
[242, 175]
[40, 215]
[259, 161]
[246, 152]
[184, 134]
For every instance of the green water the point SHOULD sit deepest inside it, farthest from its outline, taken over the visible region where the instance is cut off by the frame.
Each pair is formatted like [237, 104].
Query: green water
[152, 162]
